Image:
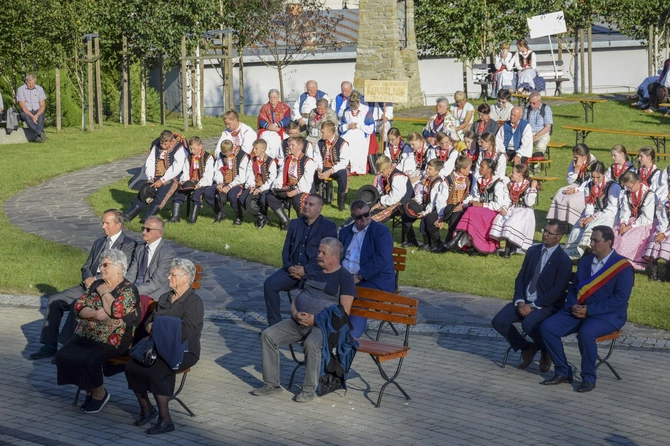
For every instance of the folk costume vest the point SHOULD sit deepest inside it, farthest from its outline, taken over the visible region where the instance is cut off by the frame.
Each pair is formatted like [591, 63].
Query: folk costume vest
[487, 189]
[164, 159]
[511, 133]
[518, 193]
[616, 171]
[229, 173]
[261, 169]
[197, 165]
[291, 163]
[330, 153]
[428, 186]
[387, 185]
[598, 196]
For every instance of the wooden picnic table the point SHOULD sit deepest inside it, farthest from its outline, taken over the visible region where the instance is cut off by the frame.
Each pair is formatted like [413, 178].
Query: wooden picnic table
[587, 103]
[582, 132]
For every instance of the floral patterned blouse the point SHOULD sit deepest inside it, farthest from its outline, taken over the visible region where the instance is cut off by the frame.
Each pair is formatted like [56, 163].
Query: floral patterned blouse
[119, 329]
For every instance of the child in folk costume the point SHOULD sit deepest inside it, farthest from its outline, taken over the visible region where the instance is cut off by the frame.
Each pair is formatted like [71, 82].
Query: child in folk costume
[602, 208]
[658, 246]
[620, 165]
[568, 203]
[487, 150]
[504, 75]
[433, 200]
[516, 223]
[637, 207]
[488, 196]
[399, 152]
[525, 63]
[422, 152]
[471, 150]
[356, 127]
[229, 173]
[447, 150]
[457, 188]
[651, 175]
[199, 172]
[262, 172]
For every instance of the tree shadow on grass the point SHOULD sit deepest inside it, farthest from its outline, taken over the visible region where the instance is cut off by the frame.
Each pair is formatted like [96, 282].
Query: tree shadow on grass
[46, 289]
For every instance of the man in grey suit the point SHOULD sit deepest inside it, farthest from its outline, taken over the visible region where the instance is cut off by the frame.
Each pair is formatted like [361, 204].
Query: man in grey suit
[152, 261]
[59, 303]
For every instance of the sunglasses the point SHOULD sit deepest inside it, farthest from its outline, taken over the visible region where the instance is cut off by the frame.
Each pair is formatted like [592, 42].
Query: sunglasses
[362, 216]
[145, 229]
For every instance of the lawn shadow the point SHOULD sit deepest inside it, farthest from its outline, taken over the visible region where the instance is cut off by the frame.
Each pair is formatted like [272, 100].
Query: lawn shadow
[46, 289]
[123, 197]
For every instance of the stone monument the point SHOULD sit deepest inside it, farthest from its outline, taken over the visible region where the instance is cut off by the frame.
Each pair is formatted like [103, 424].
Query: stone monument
[387, 46]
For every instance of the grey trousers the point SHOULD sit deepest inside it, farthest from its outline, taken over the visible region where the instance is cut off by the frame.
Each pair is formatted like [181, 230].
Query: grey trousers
[287, 332]
[58, 304]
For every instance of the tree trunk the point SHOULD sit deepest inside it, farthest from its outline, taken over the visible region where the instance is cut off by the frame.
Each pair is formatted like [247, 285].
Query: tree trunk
[197, 86]
[98, 82]
[161, 77]
[184, 93]
[124, 70]
[281, 82]
[240, 75]
[582, 70]
[590, 58]
[143, 94]
[650, 51]
[89, 79]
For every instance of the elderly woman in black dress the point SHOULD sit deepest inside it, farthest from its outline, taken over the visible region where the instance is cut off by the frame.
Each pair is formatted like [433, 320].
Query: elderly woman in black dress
[108, 315]
[180, 309]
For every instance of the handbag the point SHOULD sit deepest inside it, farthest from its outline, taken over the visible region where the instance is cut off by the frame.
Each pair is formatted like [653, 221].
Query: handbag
[144, 352]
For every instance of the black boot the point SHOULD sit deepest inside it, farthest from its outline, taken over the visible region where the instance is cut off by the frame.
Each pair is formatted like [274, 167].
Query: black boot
[135, 209]
[453, 244]
[283, 219]
[176, 213]
[238, 216]
[153, 210]
[667, 271]
[410, 237]
[341, 201]
[262, 221]
[218, 209]
[194, 214]
[653, 272]
[509, 249]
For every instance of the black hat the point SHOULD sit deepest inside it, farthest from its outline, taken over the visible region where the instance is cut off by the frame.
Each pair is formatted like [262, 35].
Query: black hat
[369, 194]
[412, 208]
[280, 193]
[188, 186]
[253, 204]
[147, 193]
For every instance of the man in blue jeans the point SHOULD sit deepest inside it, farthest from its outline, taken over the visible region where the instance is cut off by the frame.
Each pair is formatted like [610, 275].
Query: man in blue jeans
[32, 102]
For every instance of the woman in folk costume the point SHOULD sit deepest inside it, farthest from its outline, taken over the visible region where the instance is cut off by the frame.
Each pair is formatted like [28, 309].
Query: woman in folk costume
[516, 223]
[658, 246]
[620, 165]
[637, 207]
[602, 207]
[356, 127]
[651, 175]
[488, 196]
[487, 150]
[471, 140]
[484, 123]
[504, 75]
[399, 152]
[568, 203]
[525, 63]
[273, 119]
[422, 152]
[442, 121]
[447, 150]
[463, 112]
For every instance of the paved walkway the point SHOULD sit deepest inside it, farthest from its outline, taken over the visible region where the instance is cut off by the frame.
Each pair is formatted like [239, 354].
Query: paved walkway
[460, 395]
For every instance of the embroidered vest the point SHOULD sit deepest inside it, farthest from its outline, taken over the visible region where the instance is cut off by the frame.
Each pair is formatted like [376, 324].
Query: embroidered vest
[387, 185]
[584, 175]
[489, 195]
[428, 185]
[302, 160]
[262, 172]
[628, 166]
[229, 174]
[458, 189]
[329, 160]
[600, 203]
[162, 165]
[518, 199]
[635, 211]
[197, 174]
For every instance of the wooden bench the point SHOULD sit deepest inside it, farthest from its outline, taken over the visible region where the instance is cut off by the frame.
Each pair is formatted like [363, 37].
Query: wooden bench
[414, 120]
[542, 161]
[582, 132]
[587, 103]
[392, 308]
[633, 154]
[482, 75]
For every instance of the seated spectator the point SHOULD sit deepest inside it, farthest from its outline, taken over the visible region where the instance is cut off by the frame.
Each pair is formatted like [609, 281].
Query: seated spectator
[317, 117]
[163, 169]
[457, 188]
[620, 165]
[176, 326]
[109, 313]
[273, 119]
[488, 196]
[230, 174]
[332, 156]
[484, 123]
[541, 121]
[637, 207]
[382, 113]
[642, 92]
[525, 62]
[447, 150]
[295, 182]
[502, 109]
[32, 104]
[299, 255]
[197, 176]
[341, 102]
[515, 138]
[658, 91]
[293, 130]
[398, 151]
[305, 103]
[356, 127]
[395, 189]
[368, 255]
[463, 113]
[430, 194]
[421, 153]
[539, 292]
[568, 203]
[442, 121]
[602, 207]
[241, 135]
[487, 150]
[516, 223]
[261, 174]
[59, 303]
[658, 246]
[596, 306]
[504, 65]
[326, 286]
[650, 175]
[470, 139]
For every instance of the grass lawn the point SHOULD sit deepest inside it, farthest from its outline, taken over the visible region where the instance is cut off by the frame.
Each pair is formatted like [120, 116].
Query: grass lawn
[486, 276]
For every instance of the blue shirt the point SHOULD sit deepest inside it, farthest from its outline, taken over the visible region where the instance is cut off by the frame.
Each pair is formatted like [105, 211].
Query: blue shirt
[537, 122]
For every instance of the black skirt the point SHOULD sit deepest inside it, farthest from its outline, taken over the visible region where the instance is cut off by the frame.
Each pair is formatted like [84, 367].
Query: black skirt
[80, 362]
[158, 379]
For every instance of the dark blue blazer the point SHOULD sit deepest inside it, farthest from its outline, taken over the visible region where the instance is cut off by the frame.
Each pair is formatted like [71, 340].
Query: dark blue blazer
[610, 302]
[554, 278]
[297, 231]
[376, 256]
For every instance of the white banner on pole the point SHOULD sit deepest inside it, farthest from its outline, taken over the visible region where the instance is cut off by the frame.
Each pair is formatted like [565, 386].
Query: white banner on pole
[547, 24]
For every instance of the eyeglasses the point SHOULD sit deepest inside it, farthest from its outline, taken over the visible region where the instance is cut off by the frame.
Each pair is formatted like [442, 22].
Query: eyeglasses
[106, 264]
[175, 274]
[145, 229]
[362, 216]
[544, 231]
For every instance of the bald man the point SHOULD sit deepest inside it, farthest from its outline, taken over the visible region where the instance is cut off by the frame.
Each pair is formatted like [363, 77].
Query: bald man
[306, 103]
[515, 138]
[342, 100]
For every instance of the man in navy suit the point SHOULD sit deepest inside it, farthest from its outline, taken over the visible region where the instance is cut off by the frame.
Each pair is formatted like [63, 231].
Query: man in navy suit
[539, 292]
[59, 303]
[299, 255]
[368, 255]
[597, 305]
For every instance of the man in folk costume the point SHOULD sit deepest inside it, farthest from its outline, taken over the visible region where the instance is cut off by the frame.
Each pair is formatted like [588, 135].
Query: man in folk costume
[233, 172]
[273, 119]
[241, 135]
[293, 129]
[317, 117]
[433, 200]
[163, 169]
[457, 188]
[295, 182]
[261, 174]
[596, 306]
[332, 158]
[197, 175]
[341, 102]
[515, 138]
[305, 103]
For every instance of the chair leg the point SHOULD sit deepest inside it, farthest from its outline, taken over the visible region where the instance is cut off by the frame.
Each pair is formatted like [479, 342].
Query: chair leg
[606, 362]
[297, 367]
[388, 380]
[76, 396]
[504, 361]
[176, 397]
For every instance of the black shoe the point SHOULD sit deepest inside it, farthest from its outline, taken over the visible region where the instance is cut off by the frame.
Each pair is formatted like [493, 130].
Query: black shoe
[439, 249]
[160, 428]
[145, 417]
[132, 212]
[153, 210]
[220, 217]
[586, 386]
[176, 213]
[96, 406]
[557, 379]
[47, 351]
[262, 221]
[194, 214]
[86, 402]
[238, 221]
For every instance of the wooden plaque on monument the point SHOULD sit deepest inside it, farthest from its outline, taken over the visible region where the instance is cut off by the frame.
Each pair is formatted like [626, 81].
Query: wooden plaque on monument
[386, 91]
